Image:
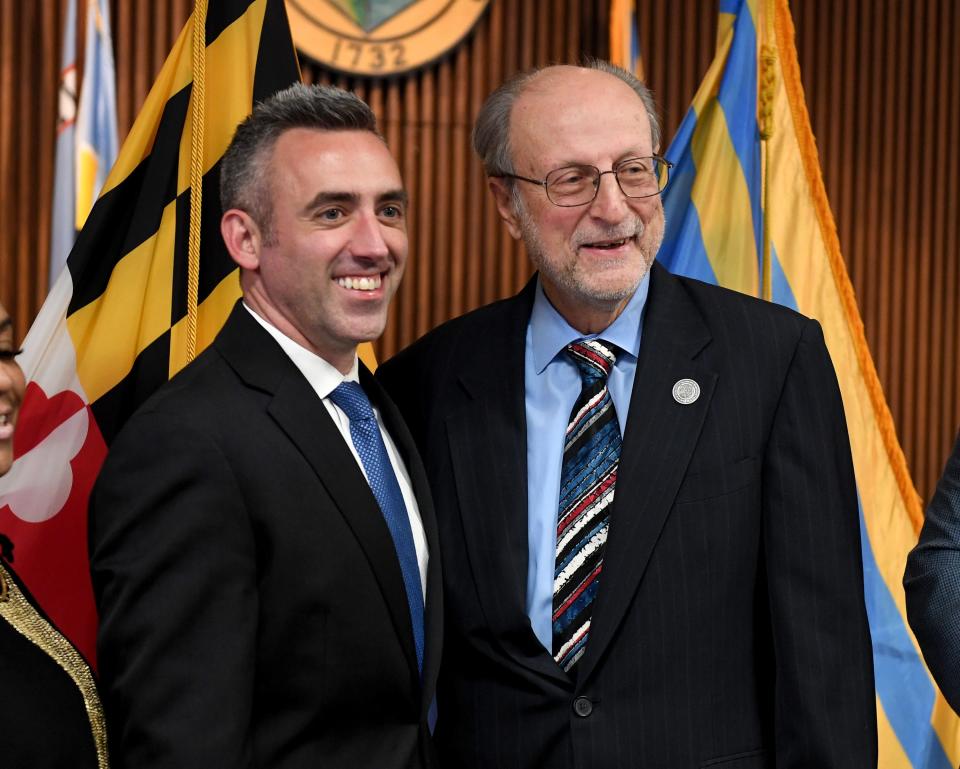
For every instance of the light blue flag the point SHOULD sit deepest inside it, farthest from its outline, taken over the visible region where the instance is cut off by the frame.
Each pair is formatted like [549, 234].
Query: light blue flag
[62, 227]
[96, 138]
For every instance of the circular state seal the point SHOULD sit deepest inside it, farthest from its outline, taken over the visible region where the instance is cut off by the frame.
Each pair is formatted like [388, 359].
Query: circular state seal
[380, 37]
[686, 391]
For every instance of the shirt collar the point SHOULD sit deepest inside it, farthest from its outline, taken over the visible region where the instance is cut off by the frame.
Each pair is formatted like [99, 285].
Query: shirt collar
[550, 333]
[322, 376]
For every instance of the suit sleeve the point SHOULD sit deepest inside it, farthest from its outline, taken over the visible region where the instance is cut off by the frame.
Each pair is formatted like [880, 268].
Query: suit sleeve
[825, 711]
[932, 583]
[173, 567]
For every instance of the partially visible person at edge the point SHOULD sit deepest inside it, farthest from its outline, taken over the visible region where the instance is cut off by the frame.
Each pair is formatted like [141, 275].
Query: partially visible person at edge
[263, 545]
[932, 583]
[50, 714]
[643, 482]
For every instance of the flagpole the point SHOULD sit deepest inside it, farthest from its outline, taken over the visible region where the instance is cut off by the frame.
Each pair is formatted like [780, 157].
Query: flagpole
[196, 171]
[768, 87]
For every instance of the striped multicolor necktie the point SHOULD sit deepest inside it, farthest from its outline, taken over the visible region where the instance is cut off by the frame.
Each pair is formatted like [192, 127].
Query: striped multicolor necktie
[591, 453]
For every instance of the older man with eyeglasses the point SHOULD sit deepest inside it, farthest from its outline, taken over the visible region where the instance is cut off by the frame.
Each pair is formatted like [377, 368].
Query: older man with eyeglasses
[647, 511]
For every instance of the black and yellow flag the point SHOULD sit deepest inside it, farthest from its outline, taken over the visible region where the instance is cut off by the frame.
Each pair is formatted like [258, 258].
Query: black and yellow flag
[140, 294]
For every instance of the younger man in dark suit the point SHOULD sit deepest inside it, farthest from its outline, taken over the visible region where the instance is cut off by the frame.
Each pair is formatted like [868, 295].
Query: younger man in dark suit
[643, 483]
[263, 544]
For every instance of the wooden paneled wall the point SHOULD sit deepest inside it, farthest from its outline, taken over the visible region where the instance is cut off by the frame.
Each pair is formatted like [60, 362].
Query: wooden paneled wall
[880, 77]
[29, 65]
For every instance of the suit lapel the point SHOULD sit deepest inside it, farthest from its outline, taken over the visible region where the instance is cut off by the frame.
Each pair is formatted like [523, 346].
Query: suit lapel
[660, 438]
[488, 450]
[297, 410]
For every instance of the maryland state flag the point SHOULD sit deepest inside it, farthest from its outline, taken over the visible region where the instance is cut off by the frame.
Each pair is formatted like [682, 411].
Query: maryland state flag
[747, 208]
[116, 324]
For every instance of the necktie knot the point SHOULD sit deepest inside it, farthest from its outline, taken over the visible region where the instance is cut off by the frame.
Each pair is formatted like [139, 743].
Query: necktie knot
[352, 401]
[594, 358]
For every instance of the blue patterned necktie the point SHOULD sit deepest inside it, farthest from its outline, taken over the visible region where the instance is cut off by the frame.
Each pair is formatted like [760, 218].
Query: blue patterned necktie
[591, 453]
[368, 442]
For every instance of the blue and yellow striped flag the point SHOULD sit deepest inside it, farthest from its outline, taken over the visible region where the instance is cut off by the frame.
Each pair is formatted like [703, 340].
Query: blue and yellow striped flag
[624, 42]
[747, 208]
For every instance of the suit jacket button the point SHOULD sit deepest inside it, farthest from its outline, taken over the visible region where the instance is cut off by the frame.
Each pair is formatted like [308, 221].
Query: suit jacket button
[582, 707]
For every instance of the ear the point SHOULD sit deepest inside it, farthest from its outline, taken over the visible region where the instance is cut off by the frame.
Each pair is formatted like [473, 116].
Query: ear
[242, 237]
[504, 200]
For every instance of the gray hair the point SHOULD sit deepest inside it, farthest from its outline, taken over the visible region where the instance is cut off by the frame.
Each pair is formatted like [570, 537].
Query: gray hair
[244, 183]
[491, 132]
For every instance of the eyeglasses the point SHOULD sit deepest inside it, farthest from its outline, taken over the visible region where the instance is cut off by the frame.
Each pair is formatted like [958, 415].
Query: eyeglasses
[577, 185]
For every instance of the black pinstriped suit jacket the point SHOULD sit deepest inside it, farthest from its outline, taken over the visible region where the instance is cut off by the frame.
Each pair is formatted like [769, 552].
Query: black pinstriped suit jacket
[730, 627]
[932, 583]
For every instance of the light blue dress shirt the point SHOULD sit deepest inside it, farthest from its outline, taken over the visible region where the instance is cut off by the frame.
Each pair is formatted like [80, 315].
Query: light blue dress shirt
[552, 386]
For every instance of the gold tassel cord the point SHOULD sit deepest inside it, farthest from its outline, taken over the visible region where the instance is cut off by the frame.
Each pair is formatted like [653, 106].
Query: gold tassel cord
[768, 86]
[197, 102]
[765, 97]
[768, 89]
[808, 152]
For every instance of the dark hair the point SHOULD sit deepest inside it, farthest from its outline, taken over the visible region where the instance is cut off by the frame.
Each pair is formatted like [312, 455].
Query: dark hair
[244, 183]
[491, 132]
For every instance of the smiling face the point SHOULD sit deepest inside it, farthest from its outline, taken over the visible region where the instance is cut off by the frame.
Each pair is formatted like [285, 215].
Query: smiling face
[11, 390]
[591, 258]
[338, 241]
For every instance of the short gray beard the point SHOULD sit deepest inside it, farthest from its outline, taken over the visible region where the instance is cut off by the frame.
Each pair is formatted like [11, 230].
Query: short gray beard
[566, 280]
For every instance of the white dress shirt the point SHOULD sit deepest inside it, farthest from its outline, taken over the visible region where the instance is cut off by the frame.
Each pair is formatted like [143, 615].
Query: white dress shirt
[324, 379]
